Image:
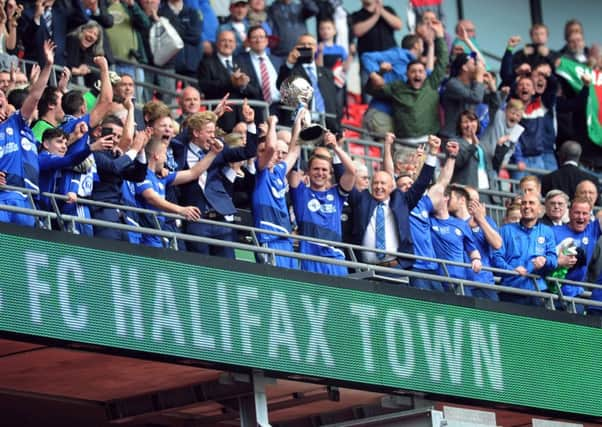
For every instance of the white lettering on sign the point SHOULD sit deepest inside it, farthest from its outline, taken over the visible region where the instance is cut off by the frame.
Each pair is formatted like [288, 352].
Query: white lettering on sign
[439, 347]
[595, 77]
[253, 321]
[281, 330]
[165, 313]
[124, 302]
[317, 342]
[224, 317]
[199, 338]
[67, 268]
[365, 313]
[394, 318]
[486, 352]
[247, 319]
[37, 288]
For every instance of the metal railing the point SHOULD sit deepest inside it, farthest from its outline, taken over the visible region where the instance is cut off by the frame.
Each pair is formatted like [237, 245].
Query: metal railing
[364, 270]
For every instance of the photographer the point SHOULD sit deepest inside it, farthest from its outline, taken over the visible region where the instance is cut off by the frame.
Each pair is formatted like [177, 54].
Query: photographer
[300, 62]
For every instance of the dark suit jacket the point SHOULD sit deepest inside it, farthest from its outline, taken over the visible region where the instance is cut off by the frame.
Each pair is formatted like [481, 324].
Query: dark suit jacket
[466, 169]
[327, 88]
[216, 196]
[214, 82]
[66, 16]
[363, 205]
[253, 89]
[189, 26]
[112, 171]
[566, 179]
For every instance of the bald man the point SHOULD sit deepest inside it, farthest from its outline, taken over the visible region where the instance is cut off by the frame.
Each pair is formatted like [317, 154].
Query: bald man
[381, 218]
[528, 247]
[569, 174]
[189, 102]
[588, 190]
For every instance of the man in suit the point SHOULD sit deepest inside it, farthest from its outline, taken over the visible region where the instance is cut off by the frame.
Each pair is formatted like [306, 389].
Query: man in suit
[49, 19]
[322, 80]
[220, 74]
[556, 205]
[209, 192]
[388, 209]
[262, 74]
[569, 174]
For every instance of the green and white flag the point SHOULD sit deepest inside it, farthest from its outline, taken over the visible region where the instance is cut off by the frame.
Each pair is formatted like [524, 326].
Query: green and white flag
[572, 71]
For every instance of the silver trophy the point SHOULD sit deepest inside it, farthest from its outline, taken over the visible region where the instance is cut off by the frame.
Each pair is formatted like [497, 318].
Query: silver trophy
[296, 92]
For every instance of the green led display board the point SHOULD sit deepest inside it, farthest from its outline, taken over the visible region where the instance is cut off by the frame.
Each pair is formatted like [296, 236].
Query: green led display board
[66, 291]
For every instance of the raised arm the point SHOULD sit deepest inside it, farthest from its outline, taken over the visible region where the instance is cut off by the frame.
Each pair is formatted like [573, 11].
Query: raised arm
[388, 165]
[37, 88]
[271, 140]
[447, 170]
[440, 68]
[129, 128]
[105, 98]
[347, 181]
[293, 149]
[466, 39]
[416, 191]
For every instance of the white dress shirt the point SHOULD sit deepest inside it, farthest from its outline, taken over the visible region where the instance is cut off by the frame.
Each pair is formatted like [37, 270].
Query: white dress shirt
[274, 92]
[223, 60]
[391, 238]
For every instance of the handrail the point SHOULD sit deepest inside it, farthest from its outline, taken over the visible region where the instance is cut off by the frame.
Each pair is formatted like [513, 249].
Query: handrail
[353, 264]
[297, 255]
[344, 245]
[158, 71]
[534, 171]
[276, 252]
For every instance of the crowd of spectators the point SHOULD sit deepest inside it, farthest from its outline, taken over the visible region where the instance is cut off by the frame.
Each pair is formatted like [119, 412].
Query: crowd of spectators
[468, 127]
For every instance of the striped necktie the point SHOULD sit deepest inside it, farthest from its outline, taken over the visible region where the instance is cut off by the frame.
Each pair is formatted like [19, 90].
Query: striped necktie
[265, 80]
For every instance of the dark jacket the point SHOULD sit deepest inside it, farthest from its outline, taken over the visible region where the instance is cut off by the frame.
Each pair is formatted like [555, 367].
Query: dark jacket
[189, 26]
[566, 179]
[363, 204]
[215, 196]
[112, 171]
[66, 16]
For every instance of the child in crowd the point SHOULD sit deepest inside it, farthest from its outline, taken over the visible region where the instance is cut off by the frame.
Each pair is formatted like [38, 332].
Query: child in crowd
[54, 158]
[512, 213]
[502, 133]
[333, 56]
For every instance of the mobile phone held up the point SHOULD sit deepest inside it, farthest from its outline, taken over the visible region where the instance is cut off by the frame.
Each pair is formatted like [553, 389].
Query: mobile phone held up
[305, 55]
[106, 131]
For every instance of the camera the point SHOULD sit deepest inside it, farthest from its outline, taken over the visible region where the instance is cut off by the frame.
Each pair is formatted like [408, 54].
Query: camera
[305, 55]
